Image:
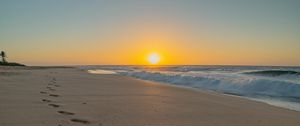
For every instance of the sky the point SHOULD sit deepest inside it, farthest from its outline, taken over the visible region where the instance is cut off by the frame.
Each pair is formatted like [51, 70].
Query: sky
[124, 32]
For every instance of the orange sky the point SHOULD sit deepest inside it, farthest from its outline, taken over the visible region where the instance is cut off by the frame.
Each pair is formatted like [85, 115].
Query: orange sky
[126, 32]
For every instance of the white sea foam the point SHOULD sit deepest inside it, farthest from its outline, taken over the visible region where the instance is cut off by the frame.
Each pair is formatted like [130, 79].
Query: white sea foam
[101, 72]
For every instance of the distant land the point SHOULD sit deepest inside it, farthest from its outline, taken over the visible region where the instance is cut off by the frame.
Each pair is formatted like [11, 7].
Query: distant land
[4, 61]
[11, 64]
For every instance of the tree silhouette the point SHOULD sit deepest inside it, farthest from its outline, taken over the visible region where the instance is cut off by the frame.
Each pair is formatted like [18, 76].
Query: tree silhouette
[3, 55]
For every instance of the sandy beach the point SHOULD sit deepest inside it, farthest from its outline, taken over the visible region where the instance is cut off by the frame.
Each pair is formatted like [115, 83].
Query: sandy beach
[41, 96]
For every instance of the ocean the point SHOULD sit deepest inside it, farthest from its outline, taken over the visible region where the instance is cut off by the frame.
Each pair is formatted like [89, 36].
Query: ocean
[278, 86]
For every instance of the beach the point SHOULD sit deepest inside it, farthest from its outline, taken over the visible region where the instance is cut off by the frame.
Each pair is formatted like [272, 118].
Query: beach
[66, 96]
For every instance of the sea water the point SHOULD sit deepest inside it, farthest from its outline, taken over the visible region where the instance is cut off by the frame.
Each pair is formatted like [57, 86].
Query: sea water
[279, 86]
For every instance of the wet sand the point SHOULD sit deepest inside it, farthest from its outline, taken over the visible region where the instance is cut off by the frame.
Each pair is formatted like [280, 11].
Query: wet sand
[41, 96]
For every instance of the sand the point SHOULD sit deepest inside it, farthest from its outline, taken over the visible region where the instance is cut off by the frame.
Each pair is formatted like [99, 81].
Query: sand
[37, 96]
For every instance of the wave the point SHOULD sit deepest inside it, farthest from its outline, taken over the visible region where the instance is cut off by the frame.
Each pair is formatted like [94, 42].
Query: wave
[244, 86]
[279, 86]
[274, 72]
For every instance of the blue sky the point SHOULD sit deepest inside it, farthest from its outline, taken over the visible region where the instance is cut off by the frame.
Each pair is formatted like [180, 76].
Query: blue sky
[51, 31]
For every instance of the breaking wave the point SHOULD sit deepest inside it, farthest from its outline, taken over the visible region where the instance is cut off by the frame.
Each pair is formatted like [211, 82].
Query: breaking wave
[244, 86]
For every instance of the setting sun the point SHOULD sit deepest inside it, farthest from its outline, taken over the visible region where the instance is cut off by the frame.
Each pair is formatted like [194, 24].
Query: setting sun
[153, 58]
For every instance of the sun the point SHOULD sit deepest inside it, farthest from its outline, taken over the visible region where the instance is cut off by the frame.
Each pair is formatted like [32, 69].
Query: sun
[153, 58]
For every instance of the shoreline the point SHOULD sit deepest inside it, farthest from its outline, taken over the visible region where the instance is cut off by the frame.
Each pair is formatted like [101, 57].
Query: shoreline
[273, 102]
[216, 93]
[70, 96]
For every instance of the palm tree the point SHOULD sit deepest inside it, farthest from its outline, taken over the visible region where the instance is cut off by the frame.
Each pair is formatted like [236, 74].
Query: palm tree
[3, 55]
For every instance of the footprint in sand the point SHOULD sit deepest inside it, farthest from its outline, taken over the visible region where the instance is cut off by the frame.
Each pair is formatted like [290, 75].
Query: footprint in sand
[46, 100]
[54, 105]
[80, 121]
[66, 113]
[53, 95]
[43, 92]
